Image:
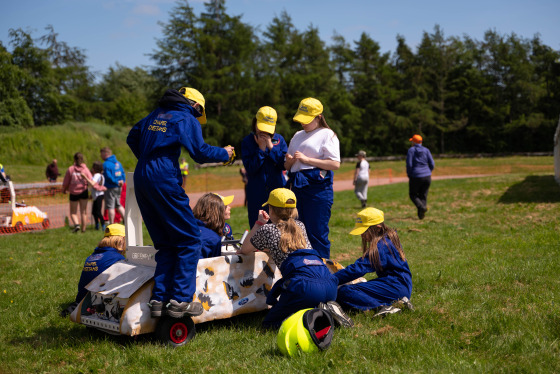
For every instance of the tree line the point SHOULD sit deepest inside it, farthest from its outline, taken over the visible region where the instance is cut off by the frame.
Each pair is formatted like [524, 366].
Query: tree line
[499, 94]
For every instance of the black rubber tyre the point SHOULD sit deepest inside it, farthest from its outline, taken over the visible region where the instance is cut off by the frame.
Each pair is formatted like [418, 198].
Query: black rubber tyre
[18, 227]
[46, 223]
[175, 332]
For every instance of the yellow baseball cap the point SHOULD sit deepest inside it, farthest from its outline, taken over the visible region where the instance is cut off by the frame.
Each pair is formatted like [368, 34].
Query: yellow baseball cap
[115, 229]
[266, 119]
[366, 218]
[196, 96]
[308, 109]
[226, 199]
[279, 198]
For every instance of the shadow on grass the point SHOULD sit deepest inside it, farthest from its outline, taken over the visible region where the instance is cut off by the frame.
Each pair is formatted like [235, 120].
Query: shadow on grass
[533, 189]
[75, 335]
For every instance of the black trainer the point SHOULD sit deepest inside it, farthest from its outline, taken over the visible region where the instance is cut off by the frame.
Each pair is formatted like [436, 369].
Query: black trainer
[337, 313]
[177, 309]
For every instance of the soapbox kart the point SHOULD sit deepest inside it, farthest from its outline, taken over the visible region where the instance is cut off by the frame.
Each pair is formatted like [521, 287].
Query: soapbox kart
[14, 216]
[228, 285]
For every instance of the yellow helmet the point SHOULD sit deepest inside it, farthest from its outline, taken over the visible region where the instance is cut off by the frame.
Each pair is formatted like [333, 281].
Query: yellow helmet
[308, 330]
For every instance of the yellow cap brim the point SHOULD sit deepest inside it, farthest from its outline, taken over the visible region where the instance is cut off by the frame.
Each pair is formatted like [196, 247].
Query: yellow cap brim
[265, 127]
[304, 119]
[202, 118]
[358, 230]
[227, 199]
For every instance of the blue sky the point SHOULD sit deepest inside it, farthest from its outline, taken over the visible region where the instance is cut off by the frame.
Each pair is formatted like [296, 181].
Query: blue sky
[124, 31]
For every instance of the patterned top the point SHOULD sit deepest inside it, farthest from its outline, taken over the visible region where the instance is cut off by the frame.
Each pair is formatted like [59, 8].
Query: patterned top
[268, 237]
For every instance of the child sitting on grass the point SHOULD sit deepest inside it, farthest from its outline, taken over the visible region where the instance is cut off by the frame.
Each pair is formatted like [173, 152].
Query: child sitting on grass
[383, 255]
[110, 249]
[306, 281]
[211, 212]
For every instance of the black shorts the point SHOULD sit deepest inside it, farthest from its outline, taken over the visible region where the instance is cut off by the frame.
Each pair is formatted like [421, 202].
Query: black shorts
[82, 196]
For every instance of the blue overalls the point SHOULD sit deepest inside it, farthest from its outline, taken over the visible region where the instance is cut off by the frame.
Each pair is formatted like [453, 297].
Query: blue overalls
[314, 192]
[95, 264]
[264, 172]
[156, 141]
[211, 242]
[306, 282]
[391, 284]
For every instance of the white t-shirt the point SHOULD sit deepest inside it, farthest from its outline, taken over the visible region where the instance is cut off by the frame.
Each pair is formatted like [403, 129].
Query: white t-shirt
[321, 143]
[363, 170]
[97, 178]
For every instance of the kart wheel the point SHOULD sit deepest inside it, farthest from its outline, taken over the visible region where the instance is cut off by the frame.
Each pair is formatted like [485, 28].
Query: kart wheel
[18, 227]
[175, 332]
[46, 223]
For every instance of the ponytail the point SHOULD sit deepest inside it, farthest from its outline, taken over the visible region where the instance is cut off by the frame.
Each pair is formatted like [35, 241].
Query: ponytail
[291, 236]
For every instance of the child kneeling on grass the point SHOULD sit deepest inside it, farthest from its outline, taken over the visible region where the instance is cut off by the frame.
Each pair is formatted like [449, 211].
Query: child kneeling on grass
[211, 212]
[306, 281]
[383, 255]
[110, 249]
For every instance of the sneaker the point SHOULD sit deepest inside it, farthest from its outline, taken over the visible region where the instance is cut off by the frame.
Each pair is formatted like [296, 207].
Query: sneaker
[337, 313]
[404, 303]
[364, 203]
[384, 310]
[76, 229]
[178, 310]
[97, 226]
[156, 308]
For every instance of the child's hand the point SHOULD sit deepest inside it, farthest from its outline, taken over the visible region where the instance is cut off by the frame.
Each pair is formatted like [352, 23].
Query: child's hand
[263, 216]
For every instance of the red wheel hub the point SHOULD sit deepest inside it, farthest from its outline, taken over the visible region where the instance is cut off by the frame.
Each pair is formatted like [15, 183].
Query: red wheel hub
[178, 332]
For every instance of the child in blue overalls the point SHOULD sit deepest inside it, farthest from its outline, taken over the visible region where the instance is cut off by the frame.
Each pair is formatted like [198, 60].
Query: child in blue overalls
[262, 152]
[211, 212]
[383, 255]
[306, 281]
[110, 249]
[156, 141]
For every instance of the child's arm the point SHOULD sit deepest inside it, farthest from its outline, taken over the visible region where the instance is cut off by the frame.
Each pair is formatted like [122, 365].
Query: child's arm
[247, 246]
[356, 270]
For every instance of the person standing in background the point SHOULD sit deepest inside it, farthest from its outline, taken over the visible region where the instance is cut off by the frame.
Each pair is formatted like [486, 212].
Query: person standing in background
[76, 185]
[361, 178]
[97, 194]
[3, 176]
[184, 165]
[52, 171]
[114, 180]
[419, 166]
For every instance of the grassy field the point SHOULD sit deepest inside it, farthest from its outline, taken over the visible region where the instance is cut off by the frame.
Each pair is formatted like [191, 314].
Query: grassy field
[486, 289]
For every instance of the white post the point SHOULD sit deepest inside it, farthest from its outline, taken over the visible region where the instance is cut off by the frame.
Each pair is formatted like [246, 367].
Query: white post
[133, 218]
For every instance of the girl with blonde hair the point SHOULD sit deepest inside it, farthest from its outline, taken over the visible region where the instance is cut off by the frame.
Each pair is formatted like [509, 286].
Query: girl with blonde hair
[306, 281]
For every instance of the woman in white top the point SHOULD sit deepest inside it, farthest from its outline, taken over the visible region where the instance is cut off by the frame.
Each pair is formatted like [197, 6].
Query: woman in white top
[313, 154]
[361, 178]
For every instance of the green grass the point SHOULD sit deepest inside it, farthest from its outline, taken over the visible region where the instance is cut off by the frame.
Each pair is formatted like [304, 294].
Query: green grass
[486, 289]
